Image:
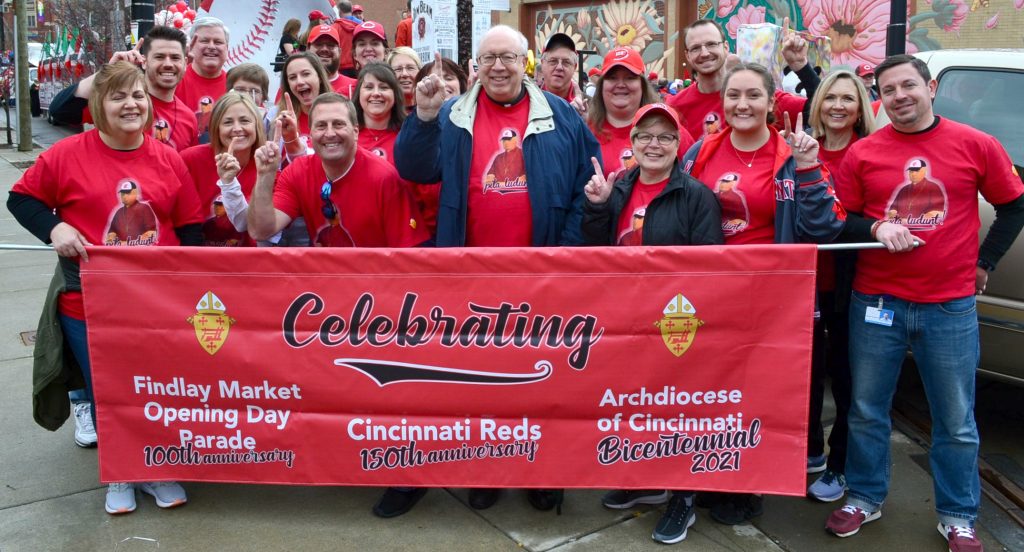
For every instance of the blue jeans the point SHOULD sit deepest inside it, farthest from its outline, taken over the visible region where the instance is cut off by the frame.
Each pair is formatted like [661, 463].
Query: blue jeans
[75, 336]
[944, 340]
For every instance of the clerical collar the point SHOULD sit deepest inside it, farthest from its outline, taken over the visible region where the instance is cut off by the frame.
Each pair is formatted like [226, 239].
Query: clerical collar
[519, 98]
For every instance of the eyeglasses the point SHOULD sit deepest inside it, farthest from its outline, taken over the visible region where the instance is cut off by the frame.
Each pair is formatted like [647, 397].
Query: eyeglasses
[330, 210]
[644, 138]
[507, 58]
[402, 69]
[567, 63]
[255, 93]
[706, 46]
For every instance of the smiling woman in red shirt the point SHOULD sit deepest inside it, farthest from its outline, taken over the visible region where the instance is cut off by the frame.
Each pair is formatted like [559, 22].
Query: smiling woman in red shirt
[223, 172]
[771, 187]
[112, 186]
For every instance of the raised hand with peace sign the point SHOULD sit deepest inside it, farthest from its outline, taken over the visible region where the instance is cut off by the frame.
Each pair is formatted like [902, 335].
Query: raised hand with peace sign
[803, 146]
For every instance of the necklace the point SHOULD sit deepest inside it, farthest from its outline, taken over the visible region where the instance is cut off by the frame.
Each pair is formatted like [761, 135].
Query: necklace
[751, 163]
[376, 136]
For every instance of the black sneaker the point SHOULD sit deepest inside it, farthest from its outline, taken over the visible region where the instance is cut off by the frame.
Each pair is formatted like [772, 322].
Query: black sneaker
[482, 499]
[679, 516]
[545, 500]
[622, 499]
[707, 499]
[396, 502]
[737, 508]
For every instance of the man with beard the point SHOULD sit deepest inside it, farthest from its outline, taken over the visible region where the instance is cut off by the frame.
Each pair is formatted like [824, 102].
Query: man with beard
[161, 54]
[558, 66]
[707, 49]
[325, 43]
[205, 78]
[348, 196]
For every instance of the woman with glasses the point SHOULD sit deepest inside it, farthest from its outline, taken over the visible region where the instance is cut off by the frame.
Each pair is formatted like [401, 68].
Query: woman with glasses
[223, 171]
[840, 115]
[622, 89]
[653, 203]
[114, 186]
[406, 64]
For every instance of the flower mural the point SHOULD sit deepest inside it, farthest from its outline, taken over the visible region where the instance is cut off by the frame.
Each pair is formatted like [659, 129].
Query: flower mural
[856, 28]
[725, 7]
[599, 27]
[626, 23]
[553, 27]
[748, 15]
[950, 14]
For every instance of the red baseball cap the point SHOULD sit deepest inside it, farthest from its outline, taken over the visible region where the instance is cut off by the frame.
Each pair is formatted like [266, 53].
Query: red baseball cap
[624, 57]
[372, 27]
[316, 14]
[327, 30]
[356, 8]
[865, 69]
[656, 108]
[594, 71]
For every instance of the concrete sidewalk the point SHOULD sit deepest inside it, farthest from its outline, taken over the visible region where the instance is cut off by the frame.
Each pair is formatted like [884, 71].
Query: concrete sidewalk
[50, 497]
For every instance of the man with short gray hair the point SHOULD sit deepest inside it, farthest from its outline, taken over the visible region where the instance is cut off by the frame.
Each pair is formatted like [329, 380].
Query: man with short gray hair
[205, 80]
[515, 161]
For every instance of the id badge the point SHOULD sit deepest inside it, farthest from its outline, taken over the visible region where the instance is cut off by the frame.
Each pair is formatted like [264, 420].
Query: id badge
[875, 315]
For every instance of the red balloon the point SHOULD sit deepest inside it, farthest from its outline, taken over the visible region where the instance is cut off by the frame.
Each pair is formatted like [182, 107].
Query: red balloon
[178, 23]
[182, 6]
[190, 14]
[173, 8]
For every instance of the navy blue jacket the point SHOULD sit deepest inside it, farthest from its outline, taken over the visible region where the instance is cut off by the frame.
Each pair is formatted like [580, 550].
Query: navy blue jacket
[557, 147]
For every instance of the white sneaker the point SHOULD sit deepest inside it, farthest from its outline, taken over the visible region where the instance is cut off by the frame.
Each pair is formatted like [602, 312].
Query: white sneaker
[120, 498]
[85, 432]
[168, 494]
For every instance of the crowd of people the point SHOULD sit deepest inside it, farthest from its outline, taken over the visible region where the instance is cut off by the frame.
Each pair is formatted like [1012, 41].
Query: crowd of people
[368, 147]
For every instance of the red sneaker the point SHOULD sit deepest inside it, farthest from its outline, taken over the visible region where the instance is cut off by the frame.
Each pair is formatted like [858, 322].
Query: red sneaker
[847, 520]
[960, 538]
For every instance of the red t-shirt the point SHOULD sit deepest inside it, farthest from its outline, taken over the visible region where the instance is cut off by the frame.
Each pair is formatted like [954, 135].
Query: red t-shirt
[199, 93]
[499, 212]
[746, 194]
[174, 124]
[81, 178]
[617, 149]
[374, 209]
[958, 163]
[427, 196]
[217, 229]
[700, 113]
[343, 85]
[631, 219]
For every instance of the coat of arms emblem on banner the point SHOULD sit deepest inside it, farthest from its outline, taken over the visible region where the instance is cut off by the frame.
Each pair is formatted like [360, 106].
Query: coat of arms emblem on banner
[679, 324]
[211, 323]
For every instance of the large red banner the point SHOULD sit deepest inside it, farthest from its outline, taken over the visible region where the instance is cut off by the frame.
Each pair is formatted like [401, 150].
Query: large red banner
[622, 367]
